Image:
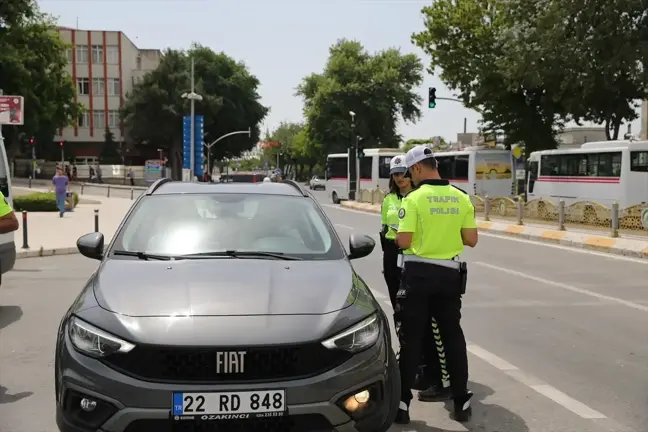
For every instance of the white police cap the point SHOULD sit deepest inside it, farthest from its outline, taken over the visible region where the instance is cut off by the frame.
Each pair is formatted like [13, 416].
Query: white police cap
[417, 154]
[397, 165]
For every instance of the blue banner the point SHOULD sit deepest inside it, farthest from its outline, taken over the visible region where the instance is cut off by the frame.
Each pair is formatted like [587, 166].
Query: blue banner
[199, 123]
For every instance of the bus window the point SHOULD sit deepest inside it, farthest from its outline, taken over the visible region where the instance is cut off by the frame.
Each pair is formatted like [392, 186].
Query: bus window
[639, 161]
[549, 165]
[533, 175]
[461, 167]
[383, 167]
[592, 165]
[445, 164]
[609, 164]
[337, 168]
[365, 167]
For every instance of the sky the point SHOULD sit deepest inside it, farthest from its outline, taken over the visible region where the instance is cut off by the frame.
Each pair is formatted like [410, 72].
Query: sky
[281, 41]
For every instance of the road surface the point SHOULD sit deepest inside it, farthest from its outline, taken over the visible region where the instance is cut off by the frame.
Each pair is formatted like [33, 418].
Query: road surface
[558, 339]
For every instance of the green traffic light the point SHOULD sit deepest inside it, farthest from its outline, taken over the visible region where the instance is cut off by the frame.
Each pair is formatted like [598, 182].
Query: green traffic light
[432, 105]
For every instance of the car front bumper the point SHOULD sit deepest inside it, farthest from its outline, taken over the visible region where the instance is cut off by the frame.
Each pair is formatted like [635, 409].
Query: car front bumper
[127, 404]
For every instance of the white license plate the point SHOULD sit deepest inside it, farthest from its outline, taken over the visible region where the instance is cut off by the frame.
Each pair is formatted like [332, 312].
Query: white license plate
[229, 405]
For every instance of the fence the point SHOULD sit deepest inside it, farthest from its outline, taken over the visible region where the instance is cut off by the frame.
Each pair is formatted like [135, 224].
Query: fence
[581, 214]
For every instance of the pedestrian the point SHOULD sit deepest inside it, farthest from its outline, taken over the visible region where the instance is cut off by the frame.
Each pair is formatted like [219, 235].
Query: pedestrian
[98, 173]
[91, 174]
[60, 182]
[436, 220]
[131, 176]
[67, 171]
[75, 173]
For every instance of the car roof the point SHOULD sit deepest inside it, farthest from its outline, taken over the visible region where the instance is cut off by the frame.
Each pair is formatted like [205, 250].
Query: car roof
[168, 187]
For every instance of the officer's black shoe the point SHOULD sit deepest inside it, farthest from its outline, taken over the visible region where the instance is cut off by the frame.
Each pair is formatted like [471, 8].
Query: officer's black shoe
[434, 393]
[462, 408]
[402, 416]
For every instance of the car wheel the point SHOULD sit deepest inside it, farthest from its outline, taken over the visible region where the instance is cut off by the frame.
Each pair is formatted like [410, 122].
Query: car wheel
[335, 198]
[394, 383]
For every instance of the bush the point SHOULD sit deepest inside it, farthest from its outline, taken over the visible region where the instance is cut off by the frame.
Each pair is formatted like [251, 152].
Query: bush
[41, 202]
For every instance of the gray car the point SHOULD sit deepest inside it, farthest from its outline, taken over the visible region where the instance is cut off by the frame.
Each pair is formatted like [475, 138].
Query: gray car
[225, 307]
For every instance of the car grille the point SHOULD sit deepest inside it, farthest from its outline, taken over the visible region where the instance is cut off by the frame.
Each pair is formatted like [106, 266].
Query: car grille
[300, 423]
[198, 364]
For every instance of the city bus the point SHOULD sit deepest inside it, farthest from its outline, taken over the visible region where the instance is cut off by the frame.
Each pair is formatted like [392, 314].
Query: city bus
[602, 172]
[476, 170]
[373, 172]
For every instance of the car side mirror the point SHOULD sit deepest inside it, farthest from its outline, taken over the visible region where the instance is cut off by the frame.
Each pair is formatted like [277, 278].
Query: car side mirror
[360, 246]
[91, 245]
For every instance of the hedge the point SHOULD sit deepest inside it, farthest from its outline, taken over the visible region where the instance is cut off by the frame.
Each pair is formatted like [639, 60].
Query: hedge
[41, 202]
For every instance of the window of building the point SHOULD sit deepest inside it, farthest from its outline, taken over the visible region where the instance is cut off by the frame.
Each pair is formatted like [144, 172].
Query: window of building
[112, 54]
[138, 62]
[98, 86]
[639, 161]
[113, 118]
[97, 54]
[83, 86]
[113, 86]
[383, 166]
[84, 119]
[82, 53]
[68, 54]
[99, 118]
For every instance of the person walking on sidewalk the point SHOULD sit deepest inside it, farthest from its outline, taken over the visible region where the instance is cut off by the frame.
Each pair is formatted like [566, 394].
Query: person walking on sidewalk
[60, 182]
[131, 176]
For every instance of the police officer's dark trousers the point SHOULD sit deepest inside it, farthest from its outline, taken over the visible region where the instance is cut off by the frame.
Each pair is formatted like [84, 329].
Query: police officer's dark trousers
[431, 290]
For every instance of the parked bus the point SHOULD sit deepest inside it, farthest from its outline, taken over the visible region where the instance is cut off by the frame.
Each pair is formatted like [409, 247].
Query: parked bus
[7, 244]
[603, 172]
[373, 172]
[476, 170]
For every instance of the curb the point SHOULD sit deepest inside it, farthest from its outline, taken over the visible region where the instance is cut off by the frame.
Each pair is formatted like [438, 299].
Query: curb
[22, 254]
[616, 246]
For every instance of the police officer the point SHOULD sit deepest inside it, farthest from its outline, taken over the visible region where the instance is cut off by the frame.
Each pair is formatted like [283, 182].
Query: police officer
[436, 220]
[432, 377]
[8, 220]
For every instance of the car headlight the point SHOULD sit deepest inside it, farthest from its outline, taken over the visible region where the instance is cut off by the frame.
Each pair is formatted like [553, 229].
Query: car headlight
[356, 338]
[95, 342]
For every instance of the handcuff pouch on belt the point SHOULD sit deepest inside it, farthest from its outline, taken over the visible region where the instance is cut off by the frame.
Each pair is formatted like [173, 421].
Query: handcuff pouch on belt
[463, 277]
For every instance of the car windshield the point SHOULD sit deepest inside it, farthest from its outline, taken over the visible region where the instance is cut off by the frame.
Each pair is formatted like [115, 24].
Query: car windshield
[175, 225]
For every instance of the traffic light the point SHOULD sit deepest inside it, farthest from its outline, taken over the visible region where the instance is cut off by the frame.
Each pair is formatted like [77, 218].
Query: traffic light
[360, 147]
[61, 143]
[432, 97]
[31, 141]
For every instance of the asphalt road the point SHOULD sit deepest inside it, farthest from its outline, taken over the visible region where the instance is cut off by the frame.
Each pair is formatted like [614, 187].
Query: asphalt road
[558, 337]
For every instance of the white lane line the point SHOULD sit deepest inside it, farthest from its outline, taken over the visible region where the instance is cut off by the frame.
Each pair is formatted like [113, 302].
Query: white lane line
[566, 287]
[536, 384]
[520, 240]
[378, 295]
[343, 226]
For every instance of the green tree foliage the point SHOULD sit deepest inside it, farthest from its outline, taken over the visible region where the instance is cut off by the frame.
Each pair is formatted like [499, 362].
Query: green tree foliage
[153, 111]
[590, 55]
[379, 88]
[33, 65]
[109, 152]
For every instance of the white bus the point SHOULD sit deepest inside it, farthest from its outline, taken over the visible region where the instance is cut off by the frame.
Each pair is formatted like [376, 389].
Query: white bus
[602, 172]
[478, 171]
[373, 172]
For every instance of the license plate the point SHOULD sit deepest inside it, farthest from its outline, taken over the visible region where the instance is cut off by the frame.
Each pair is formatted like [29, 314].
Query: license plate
[229, 405]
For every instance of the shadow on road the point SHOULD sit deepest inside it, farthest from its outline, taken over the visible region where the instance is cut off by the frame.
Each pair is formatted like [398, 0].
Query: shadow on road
[7, 398]
[486, 417]
[9, 315]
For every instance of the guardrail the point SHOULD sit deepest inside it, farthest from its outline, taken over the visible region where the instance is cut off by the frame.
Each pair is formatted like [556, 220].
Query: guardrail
[581, 214]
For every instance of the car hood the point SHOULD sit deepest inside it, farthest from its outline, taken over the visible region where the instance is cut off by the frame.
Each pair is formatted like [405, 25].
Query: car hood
[223, 287]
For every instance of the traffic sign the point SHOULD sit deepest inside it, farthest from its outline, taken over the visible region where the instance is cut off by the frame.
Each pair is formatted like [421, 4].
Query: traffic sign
[199, 122]
[11, 110]
[278, 171]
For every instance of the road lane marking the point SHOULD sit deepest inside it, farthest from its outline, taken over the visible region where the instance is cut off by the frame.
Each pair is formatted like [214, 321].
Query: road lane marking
[566, 287]
[521, 240]
[344, 226]
[535, 384]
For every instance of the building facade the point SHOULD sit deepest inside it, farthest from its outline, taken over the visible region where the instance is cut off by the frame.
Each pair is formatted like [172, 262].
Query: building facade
[104, 66]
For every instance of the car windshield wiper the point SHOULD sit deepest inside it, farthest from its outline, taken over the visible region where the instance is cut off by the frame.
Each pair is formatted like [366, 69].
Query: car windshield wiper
[143, 255]
[243, 254]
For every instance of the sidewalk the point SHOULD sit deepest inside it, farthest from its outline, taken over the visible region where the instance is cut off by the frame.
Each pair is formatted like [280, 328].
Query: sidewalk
[48, 234]
[624, 245]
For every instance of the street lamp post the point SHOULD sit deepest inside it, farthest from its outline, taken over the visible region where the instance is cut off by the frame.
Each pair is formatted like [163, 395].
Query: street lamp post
[210, 145]
[352, 160]
[192, 98]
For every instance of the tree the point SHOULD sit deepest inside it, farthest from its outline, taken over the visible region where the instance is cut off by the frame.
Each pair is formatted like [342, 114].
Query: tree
[590, 55]
[464, 40]
[379, 88]
[109, 152]
[154, 110]
[33, 65]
